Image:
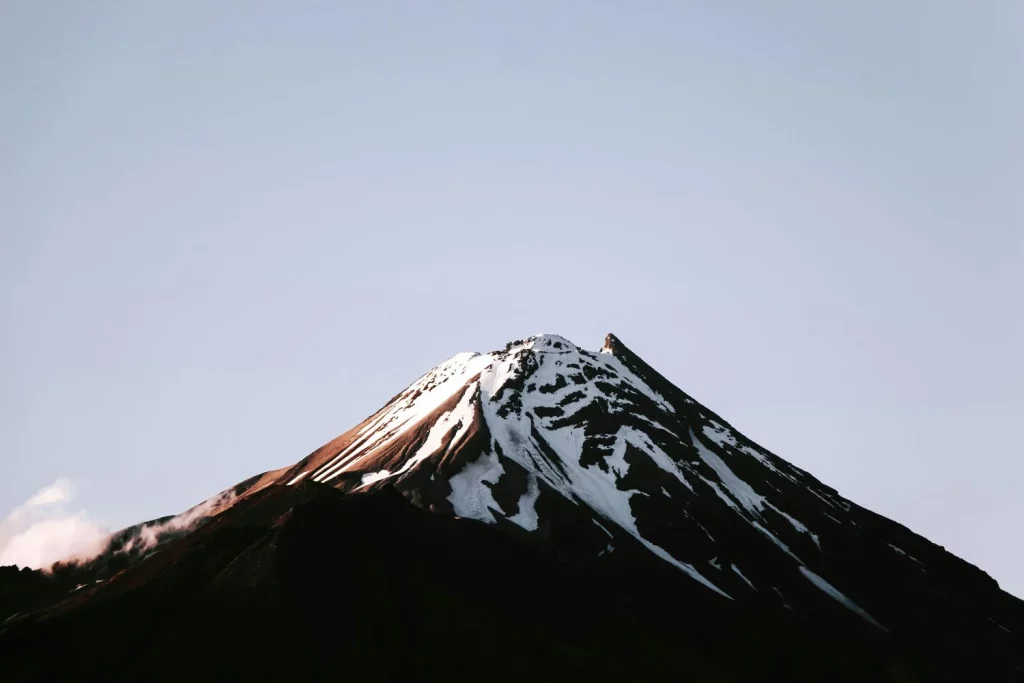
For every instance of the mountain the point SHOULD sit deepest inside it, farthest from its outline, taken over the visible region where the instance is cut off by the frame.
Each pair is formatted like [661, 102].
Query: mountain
[541, 512]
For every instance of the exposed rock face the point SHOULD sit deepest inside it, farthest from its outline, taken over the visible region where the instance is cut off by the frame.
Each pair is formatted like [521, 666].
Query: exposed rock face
[620, 520]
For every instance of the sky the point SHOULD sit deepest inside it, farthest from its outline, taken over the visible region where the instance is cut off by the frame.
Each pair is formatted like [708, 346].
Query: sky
[230, 231]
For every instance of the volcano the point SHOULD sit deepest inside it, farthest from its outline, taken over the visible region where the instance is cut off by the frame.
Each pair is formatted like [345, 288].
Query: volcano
[542, 512]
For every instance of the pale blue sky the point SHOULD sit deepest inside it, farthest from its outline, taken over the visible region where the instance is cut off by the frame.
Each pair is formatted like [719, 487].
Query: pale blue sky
[231, 230]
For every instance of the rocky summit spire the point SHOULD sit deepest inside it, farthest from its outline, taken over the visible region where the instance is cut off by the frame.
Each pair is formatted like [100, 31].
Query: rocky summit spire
[612, 344]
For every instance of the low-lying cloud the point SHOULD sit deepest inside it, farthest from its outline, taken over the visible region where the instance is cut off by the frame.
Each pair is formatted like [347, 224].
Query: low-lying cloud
[150, 534]
[42, 530]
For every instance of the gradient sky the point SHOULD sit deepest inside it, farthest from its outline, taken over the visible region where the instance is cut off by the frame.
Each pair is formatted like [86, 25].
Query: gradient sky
[231, 230]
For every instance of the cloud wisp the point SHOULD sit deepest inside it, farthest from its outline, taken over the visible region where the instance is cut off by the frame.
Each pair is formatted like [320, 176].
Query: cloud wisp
[150, 534]
[42, 531]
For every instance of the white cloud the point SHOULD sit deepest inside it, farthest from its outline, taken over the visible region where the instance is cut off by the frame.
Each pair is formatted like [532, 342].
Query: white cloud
[149, 535]
[41, 531]
[59, 491]
[52, 540]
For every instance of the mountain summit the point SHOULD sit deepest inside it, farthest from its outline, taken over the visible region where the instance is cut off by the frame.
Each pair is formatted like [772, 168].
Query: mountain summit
[544, 431]
[580, 486]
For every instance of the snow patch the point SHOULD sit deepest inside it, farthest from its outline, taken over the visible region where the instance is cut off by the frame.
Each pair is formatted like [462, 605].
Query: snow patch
[740, 574]
[616, 366]
[659, 456]
[617, 460]
[834, 593]
[783, 597]
[904, 553]
[423, 397]
[739, 489]
[798, 525]
[741, 492]
[774, 539]
[470, 496]
[459, 418]
[591, 485]
[688, 569]
[527, 515]
[371, 477]
[609, 547]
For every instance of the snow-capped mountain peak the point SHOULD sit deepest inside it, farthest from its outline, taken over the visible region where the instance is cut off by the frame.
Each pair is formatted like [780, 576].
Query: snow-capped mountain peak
[543, 469]
[515, 435]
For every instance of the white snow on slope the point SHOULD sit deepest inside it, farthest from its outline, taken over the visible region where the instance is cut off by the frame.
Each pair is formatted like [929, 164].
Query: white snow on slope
[527, 438]
[469, 497]
[526, 517]
[460, 418]
[615, 365]
[660, 458]
[591, 484]
[414, 404]
[775, 539]
[547, 453]
[723, 437]
[738, 490]
[657, 425]
[371, 477]
[783, 598]
[740, 574]
[839, 597]
[798, 525]
[904, 553]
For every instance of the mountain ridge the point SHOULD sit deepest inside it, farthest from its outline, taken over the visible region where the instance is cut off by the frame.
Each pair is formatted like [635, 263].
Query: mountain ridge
[597, 460]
